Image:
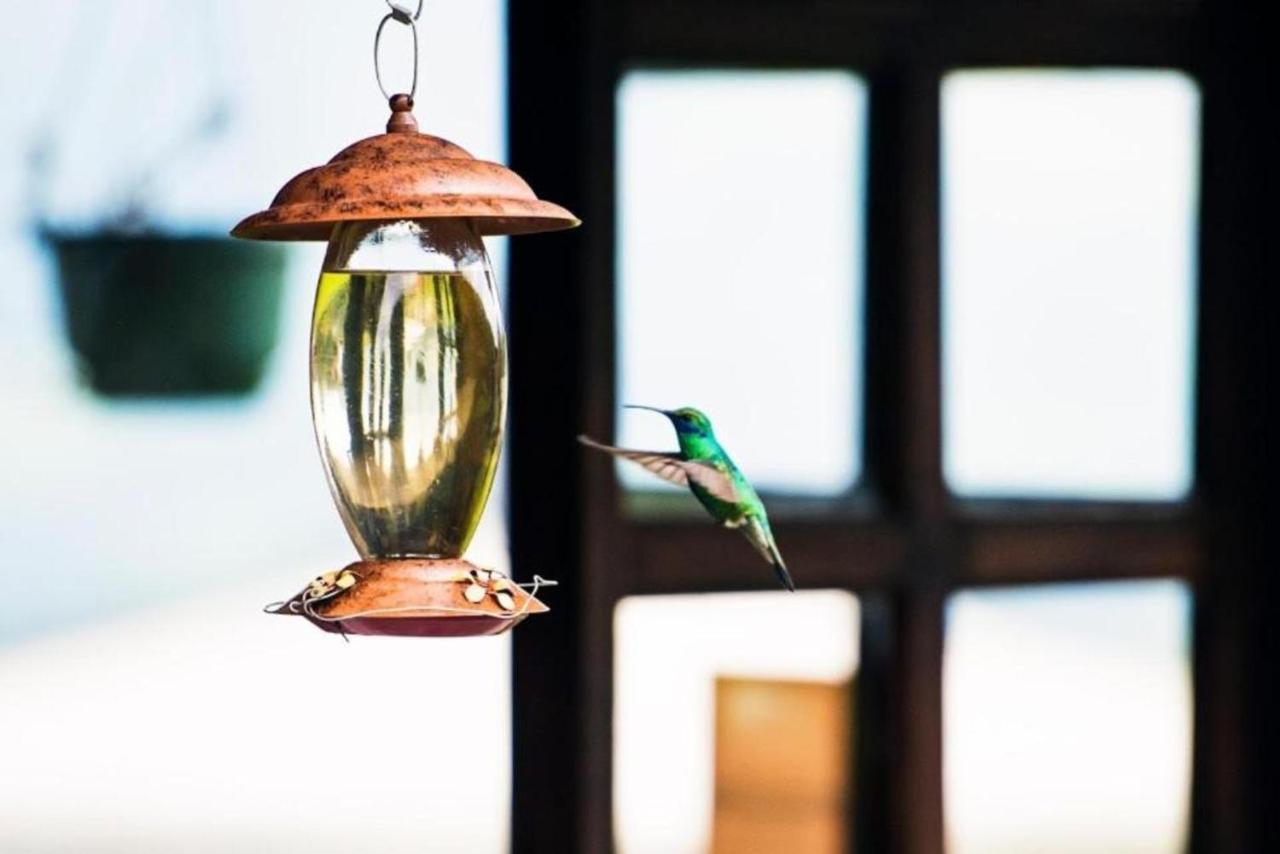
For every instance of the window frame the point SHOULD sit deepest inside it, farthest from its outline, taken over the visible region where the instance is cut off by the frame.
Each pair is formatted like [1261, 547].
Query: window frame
[902, 543]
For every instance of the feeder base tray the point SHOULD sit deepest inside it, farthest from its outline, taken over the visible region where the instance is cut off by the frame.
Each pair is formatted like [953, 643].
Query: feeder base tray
[413, 597]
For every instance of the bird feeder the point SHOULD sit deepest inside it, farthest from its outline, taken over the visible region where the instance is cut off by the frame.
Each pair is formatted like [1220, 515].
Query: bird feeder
[408, 371]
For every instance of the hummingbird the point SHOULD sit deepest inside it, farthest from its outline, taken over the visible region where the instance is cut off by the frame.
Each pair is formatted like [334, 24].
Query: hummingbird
[705, 468]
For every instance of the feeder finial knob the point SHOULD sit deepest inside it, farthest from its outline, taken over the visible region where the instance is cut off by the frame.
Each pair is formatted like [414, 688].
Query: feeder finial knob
[402, 120]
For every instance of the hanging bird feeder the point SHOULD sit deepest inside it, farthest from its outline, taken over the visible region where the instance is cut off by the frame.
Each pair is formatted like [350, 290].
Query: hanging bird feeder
[408, 369]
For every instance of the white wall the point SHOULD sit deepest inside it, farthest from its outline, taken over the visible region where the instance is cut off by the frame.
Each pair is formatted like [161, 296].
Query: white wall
[150, 705]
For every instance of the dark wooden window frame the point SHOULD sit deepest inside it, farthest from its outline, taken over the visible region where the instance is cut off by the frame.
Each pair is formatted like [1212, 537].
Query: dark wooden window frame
[902, 544]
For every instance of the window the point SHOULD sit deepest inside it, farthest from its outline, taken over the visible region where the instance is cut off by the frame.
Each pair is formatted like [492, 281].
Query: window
[1069, 240]
[1068, 718]
[740, 266]
[1025, 304]
[671, 653]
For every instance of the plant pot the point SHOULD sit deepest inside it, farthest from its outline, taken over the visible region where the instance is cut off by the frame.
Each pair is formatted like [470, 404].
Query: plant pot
[155, 316]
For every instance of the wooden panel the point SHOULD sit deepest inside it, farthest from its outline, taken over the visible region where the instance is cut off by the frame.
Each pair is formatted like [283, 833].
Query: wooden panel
[1013, 552]
[1236, 773]
[667, 557]
[803, 827]
[781, 767]
[873, 34]
[916, 811]
[560, 97]
[873, 752]
[916, 785]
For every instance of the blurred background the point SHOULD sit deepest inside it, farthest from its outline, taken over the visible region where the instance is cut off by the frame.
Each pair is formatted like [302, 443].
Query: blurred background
[158, 708]
[961, 288]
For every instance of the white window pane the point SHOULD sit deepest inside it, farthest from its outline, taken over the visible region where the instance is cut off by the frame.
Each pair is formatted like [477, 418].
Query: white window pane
[1069, 232]
[740, 260]
[669, 652]
[1068, 719]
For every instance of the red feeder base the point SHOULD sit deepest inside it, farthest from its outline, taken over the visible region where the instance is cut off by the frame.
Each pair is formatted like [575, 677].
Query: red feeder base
[414, 597]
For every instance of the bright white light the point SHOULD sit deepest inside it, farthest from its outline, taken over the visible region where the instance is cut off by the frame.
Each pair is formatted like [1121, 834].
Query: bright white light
[740, 235]
[210, 727]
[669, 651]
[149, 704]
[1069, 211]
[1068, 719]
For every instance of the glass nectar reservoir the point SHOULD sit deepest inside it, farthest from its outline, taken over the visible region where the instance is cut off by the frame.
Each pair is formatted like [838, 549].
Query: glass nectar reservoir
[408, 383]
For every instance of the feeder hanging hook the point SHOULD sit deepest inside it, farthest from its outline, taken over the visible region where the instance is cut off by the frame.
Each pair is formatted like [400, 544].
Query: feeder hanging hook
[400, 14]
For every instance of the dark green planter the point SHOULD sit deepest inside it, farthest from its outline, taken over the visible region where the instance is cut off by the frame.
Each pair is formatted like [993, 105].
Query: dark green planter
[155, 316]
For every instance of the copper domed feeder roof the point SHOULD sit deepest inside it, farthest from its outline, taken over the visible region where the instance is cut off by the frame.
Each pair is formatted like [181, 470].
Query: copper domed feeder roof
[403, 174]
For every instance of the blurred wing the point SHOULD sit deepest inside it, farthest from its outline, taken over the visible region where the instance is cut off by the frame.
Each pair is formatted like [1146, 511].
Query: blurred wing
[669, 467]
[712, 479]
[675, 469]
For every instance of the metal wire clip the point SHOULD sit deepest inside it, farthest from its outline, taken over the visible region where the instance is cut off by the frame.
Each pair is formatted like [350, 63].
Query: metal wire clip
[401, 15]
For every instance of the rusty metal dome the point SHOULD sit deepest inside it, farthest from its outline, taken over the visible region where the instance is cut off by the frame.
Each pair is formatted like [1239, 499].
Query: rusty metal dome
[403, 174]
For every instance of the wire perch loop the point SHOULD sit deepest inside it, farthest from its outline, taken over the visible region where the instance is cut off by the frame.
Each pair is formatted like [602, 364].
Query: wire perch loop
[401, 15]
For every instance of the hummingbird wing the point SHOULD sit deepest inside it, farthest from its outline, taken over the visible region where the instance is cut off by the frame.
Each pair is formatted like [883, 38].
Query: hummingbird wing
[714, 480]
[665, 465]
[675, 469]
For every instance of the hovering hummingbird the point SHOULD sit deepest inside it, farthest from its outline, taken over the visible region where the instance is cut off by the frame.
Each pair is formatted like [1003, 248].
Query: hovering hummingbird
[705, 467]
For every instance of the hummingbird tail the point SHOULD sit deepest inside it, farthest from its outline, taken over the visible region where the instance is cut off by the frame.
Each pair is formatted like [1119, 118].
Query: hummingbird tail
[762, 538]
[781, 570]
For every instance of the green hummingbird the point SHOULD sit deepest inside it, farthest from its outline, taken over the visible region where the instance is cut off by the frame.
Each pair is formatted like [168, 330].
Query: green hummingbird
[704, 466]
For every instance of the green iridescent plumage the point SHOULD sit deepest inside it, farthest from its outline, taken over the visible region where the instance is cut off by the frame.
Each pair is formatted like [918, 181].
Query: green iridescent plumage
[705, 467]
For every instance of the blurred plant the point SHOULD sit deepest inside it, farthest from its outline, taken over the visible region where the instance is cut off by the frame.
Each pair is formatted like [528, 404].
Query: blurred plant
[148, 314]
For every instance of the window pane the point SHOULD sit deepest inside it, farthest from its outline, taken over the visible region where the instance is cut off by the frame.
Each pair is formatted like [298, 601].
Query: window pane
[1069, 231]
[740, 263]
[1068, 719]
[694, 671]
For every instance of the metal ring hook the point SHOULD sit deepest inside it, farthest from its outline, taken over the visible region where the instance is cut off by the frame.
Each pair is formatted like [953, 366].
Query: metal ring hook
[401, 13]
[377, 41]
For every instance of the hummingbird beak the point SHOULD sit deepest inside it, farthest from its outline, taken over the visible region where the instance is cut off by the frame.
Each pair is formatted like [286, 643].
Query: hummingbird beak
[650, 408]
